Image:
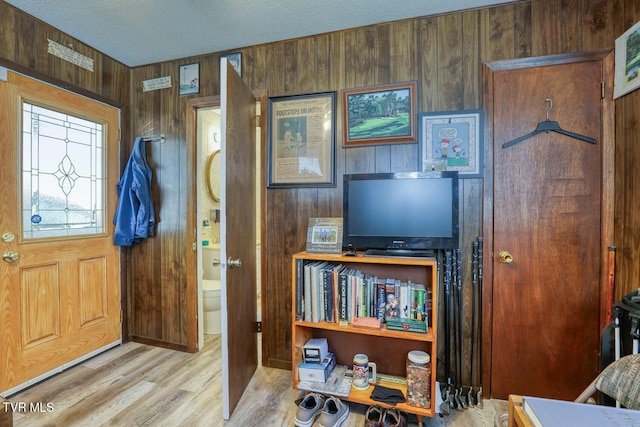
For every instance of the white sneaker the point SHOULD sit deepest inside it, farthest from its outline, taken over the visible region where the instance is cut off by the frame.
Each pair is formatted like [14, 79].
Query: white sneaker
[334, 413]
[309, 409]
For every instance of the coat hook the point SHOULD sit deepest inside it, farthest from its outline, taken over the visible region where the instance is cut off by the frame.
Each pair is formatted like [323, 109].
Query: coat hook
[550, 105]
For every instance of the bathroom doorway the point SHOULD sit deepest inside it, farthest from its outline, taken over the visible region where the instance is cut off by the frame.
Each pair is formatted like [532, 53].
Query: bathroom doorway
[209, 215]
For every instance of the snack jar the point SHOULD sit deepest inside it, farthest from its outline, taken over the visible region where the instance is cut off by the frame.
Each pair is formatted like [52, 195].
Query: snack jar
[419, 379]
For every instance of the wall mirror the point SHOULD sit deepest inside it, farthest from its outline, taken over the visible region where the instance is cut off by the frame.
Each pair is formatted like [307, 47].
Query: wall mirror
[212, 175]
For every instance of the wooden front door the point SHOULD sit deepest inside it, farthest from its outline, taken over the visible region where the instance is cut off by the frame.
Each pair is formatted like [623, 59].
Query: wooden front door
[552, 215]
[60, 287]
[237, 236]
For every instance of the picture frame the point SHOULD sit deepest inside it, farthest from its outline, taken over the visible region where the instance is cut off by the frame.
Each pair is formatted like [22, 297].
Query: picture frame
[235, 59]
[301, 140]
[627, 62]
[189, 80]
[452, 141]
[324, 235]
[383, 114]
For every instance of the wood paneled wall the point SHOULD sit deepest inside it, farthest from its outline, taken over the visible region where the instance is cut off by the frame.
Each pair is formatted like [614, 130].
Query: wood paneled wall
[444, 54]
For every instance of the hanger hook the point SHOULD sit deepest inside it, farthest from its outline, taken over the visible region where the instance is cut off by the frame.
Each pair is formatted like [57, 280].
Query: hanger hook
[550, 105]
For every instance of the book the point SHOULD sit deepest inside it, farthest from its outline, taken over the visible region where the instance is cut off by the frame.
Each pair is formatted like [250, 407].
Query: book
[391, 306]
[560, 413]
[316, 294]
[343, 292]
[299, 289]
[307, 292]
[381, 297]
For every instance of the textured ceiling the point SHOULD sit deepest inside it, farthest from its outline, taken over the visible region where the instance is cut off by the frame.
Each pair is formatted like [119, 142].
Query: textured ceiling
[138, 32]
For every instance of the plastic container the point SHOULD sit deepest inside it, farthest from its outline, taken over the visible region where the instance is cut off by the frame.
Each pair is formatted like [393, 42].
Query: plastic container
[419, 379]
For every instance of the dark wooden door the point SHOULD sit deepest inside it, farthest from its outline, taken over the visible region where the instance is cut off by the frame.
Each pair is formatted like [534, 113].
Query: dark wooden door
[238, 236]
[548, 216]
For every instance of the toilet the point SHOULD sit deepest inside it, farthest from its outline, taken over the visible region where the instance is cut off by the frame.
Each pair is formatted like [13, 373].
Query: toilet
[211, 290]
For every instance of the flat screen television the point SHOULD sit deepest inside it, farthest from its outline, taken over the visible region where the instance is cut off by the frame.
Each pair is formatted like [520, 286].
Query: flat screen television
[400, 213]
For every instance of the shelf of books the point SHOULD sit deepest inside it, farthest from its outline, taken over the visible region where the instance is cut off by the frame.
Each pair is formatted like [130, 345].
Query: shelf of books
[383, 307]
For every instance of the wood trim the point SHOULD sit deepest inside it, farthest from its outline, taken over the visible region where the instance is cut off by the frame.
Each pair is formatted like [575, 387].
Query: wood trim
[608, 178]
[58, 83]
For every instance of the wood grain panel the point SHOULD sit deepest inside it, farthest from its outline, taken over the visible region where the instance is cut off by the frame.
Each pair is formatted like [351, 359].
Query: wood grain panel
[92, 281]
[25, 28]
[522, 30]
[450, 63]
[40, 303]
[7, 31]
[546, 29]
[428, 83]
[598, 28]
[571, 24]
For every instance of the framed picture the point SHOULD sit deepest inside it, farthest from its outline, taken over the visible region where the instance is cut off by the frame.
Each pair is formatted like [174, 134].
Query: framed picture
[324, 235]
[379, 115]
[452, 141]
[627, 73]
[301, 141]
[235, 59]
[189, 78]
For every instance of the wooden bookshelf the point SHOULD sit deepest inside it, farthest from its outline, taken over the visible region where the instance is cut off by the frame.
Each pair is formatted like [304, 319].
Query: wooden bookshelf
[388, 348]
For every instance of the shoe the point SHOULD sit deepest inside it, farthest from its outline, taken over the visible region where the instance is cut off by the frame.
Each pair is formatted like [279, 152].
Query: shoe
[373, 417]
[309, 409]
[394, 418]
[334, 413]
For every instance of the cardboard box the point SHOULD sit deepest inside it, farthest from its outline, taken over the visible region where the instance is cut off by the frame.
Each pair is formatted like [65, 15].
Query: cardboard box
[315, 350]
[317, 372]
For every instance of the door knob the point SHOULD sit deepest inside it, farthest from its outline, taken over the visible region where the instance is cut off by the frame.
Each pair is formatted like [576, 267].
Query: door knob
[234, 263]
[505, 257]
[10, 256]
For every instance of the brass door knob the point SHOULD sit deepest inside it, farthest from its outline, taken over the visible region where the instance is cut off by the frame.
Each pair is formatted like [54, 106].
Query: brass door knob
[10, 256]
[505, 257]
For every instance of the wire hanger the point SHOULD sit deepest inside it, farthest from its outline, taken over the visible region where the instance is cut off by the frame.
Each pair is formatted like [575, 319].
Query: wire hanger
[549, 126]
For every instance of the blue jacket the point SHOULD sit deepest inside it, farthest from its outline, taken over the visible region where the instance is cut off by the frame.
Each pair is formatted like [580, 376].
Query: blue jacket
[135, 217]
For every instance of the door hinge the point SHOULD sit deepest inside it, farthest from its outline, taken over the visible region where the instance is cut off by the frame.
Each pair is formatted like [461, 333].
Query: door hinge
[602, 86]
[258, 326]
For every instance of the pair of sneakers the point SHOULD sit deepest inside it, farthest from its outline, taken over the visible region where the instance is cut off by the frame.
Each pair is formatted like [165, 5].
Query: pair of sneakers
[378, 417]
[332, 411]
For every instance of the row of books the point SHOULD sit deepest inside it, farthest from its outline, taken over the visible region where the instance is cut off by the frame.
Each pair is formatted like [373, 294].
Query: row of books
[335, 293]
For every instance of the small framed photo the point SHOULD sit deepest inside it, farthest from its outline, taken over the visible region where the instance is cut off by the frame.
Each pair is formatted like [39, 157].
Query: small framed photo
[324, 235]
[301, 141]
[235, 59]
[627, 72]
[382, 114]
[189, 79]
[452, 141]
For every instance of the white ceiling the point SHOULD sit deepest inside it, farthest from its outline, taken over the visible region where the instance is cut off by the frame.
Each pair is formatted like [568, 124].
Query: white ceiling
[139, 32]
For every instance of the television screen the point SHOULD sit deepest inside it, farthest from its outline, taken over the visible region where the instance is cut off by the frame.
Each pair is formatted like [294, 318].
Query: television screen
[401, 211]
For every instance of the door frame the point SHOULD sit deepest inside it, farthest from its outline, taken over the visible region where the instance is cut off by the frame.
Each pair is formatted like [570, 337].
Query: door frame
[191, 259]
[489, 69]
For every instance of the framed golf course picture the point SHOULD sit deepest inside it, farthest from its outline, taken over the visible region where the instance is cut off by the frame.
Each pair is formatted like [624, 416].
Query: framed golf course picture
[384, 114]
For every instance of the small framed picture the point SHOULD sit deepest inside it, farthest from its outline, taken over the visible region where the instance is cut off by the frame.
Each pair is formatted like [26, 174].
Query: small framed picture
[383, 114]
[451, 141]
[324, 235]
[189, 79]
[627, 73]
[235, 59]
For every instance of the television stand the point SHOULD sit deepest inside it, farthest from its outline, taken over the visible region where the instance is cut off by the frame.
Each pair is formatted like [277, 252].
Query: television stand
[414, 253]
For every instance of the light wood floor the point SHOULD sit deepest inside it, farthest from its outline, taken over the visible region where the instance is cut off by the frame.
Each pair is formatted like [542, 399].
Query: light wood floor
[140, 385]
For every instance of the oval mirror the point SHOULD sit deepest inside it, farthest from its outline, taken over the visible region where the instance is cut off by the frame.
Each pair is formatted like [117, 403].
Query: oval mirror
[212, 178]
